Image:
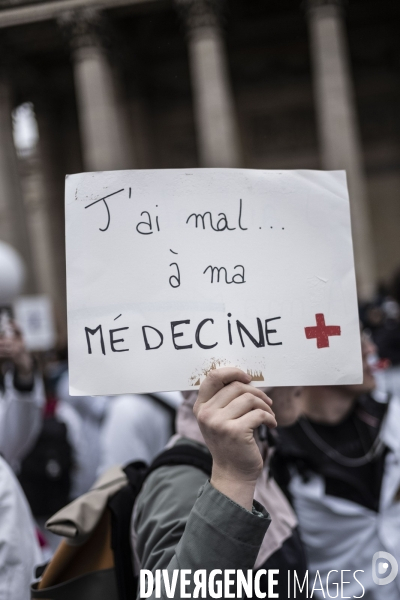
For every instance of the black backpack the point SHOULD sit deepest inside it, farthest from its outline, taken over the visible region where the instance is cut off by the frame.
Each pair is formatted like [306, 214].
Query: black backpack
[121, 506]
[120, 582]
[45, 474]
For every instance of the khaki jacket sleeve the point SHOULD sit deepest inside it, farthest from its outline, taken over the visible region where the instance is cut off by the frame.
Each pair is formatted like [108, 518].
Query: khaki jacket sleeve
[182, 522]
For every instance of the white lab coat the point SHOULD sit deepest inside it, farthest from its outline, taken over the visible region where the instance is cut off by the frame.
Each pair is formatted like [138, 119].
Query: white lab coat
[388, 380]
[20, 419]
[91, 411]
[340, 534]
[19, 548]
[136, 428]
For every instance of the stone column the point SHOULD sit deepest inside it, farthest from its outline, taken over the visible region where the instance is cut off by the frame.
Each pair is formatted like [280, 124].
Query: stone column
[39, 225]
[216, 124]
[13, 226]
[101, 117]
[59, 153]
[338, 127]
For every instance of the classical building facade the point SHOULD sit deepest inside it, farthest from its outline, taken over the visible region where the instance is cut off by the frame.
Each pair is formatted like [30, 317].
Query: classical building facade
[119, 84]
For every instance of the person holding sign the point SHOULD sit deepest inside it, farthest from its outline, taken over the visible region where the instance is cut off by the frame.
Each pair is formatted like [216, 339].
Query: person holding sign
[175, 273]
[183, 521]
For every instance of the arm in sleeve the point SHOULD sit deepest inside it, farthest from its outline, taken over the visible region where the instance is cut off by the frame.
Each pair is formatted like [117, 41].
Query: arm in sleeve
[179, 526]
[20, 419]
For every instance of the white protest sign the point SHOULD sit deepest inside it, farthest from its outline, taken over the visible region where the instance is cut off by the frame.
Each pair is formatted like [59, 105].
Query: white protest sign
[171, 273]
[34, 315]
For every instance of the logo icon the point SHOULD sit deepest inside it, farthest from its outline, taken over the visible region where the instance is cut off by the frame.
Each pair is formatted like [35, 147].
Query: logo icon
[380, 568]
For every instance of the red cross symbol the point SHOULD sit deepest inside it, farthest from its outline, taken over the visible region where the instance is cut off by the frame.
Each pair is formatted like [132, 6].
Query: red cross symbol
[321, 332]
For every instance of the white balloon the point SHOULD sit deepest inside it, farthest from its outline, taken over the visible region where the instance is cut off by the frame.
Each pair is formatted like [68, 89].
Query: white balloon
[12, 273]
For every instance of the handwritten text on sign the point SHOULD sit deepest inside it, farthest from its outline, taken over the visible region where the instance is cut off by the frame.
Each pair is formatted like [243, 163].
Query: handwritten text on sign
[172, 273]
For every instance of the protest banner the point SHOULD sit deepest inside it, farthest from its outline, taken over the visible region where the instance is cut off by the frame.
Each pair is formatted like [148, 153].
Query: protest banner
[171, 273]
[34, 315]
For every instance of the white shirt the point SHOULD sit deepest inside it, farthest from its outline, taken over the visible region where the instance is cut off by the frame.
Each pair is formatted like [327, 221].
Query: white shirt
[136, 428]
[20, 419]
[91, 411]
[19, 548]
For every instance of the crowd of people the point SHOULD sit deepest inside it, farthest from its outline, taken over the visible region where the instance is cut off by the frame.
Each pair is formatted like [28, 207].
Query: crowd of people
[305, 481]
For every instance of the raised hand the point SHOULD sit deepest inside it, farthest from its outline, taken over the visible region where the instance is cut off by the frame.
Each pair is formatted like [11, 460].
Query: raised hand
[228, 410]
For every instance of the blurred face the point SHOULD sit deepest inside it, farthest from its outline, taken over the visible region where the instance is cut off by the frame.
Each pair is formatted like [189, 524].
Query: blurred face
[368, 349]
[287, 404]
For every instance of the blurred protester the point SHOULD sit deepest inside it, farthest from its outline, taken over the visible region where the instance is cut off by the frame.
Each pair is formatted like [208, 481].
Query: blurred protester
[92, 412]
[21, 395]
[341, 466]
[372, 316]
[182, 520]
[19, 546]
[137, 427]
[21, 402]
[385, 332]
[50, 474]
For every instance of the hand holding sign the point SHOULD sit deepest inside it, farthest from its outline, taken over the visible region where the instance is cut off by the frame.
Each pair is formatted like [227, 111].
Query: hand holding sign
[228, 411]
[174, 273]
